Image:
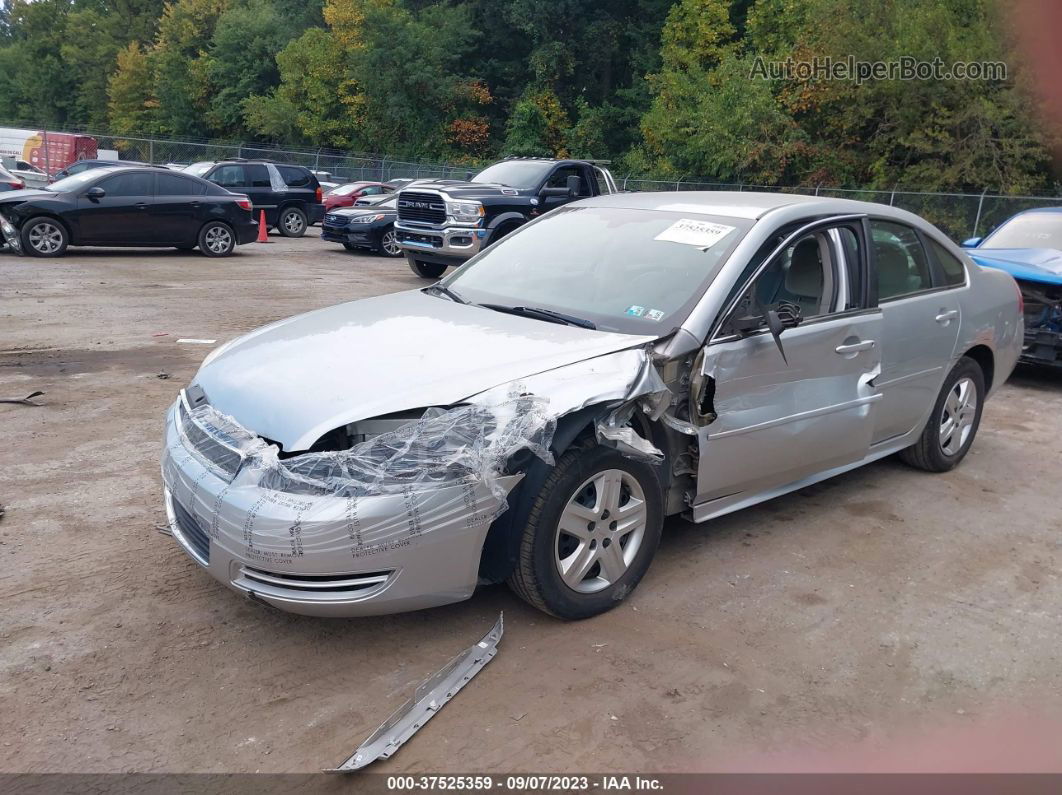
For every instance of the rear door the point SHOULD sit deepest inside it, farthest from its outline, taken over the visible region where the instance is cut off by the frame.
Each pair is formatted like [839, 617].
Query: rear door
[921, 327]
[175, 214]
[123, 214]
[768, 420]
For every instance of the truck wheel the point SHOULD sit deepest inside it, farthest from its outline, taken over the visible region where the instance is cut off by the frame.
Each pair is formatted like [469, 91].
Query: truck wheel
[500, 233]
[590, 535]
[292, 222]
[425, 270]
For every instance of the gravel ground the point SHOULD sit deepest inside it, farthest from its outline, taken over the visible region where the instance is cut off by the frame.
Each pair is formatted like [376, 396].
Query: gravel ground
[874, 608]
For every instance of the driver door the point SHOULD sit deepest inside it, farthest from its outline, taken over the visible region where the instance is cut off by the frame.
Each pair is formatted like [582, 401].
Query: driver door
[770, 417]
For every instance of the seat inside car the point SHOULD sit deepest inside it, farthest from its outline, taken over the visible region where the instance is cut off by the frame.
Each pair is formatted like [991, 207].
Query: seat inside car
[804, 278]
[894, 270]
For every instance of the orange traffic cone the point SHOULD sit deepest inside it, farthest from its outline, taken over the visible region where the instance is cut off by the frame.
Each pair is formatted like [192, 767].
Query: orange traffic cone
[263, 230]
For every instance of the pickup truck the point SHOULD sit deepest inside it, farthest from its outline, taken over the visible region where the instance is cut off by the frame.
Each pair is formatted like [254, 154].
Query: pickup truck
[444, 222]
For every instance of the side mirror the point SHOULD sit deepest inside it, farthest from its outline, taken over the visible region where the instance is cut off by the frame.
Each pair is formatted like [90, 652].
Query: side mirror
[972, 242]
[96, 193]
[573, 186]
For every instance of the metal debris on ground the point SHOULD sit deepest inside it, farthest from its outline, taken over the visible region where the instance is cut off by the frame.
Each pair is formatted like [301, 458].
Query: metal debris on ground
[192, 341]
[428, 699]
[26, 401]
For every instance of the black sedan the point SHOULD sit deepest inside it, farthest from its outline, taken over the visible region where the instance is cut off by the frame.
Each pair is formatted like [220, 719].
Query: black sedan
[126, 207]
[370, 227]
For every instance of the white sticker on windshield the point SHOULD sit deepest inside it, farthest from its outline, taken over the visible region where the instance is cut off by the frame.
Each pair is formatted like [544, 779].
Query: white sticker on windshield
[691, 232]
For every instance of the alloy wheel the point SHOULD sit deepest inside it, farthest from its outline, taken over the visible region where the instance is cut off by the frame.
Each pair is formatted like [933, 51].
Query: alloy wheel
[293, 223]
[600, 531]
[46, 238]
[218, 239]
[957, 418]
[389, 243]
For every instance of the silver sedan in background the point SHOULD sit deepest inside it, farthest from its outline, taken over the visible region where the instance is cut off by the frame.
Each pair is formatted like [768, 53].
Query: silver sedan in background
[535, 416]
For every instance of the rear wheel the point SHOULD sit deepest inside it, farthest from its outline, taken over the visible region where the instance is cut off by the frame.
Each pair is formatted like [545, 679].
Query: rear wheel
[44, 237]
[590, 535]
[953, 424]
[216, 239]
[388, 245]
[292, 222]
[425, 270]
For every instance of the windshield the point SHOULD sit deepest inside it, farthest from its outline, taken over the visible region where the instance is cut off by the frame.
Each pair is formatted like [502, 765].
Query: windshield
[1031, 230]
[632, 271]
[199, 169]
[76, 182]
[515, 173]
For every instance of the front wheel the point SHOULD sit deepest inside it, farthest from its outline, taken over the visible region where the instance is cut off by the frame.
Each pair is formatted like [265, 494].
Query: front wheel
[953, 424]
[591, 533]
[217, 239]
[388, 245]
[425, 270]
[292, 222]
[44, 237]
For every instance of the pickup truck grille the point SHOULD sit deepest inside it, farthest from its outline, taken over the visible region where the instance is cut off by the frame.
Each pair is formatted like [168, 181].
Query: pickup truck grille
[425, 208]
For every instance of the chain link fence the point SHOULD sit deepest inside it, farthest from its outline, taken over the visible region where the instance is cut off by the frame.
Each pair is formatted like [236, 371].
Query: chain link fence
[961, 215]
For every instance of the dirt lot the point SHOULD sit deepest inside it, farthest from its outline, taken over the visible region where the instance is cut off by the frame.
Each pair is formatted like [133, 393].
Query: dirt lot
[865, 611]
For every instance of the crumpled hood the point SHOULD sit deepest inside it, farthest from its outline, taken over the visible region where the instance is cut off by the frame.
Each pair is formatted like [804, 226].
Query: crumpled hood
[297, 379]
[1032, 264]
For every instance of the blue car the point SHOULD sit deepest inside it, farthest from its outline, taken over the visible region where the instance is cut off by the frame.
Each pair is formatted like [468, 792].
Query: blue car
[1028, 246]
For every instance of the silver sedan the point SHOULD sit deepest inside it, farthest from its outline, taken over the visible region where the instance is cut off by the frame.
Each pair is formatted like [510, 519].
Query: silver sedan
[535, 416]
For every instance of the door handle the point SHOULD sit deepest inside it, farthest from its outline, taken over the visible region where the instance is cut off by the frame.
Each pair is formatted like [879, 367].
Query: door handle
[946, 316]
[855, 347]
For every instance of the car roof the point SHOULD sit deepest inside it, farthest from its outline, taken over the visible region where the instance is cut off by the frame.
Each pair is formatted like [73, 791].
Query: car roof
[1057, 209]
[739, 204]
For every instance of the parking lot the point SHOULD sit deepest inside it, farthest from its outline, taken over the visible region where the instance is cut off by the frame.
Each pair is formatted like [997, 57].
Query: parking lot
[871, 609]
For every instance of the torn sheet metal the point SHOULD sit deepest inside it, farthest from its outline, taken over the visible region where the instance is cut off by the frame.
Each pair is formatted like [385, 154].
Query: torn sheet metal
[647, 393]
[444, 471]
[427, 700]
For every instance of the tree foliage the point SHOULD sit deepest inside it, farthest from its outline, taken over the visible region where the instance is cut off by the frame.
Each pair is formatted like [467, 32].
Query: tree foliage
[662, 86]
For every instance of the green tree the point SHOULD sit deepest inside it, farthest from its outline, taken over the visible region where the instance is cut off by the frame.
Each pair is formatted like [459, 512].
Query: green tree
[131, 106]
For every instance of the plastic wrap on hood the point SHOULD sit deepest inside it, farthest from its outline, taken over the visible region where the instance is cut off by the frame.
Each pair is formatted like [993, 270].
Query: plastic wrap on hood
[445, 470]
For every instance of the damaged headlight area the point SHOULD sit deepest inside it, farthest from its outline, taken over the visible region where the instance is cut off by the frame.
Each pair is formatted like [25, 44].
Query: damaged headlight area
[448, 468]
[11, 236]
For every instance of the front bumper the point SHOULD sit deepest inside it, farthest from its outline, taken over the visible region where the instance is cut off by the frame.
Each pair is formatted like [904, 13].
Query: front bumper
[347, 235]
[447, 245]
[330, 555]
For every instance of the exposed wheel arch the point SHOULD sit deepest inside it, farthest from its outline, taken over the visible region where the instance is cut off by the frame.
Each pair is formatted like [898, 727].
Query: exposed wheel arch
[501, 549]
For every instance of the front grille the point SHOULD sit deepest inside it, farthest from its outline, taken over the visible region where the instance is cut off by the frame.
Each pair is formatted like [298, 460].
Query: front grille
[426, 240]
[1043, 305]
[421, 207]
[335, 220]
[192, 532]
[212, 445]
[321, 587]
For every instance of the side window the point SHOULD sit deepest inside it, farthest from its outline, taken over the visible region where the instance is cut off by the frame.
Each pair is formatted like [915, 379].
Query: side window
[902, 268]
[257, 176]
[229, 176]
[850, 243]
[294, 177]
[559, 179]
[173, 185]
[372, 190]
[799, 282]
[77, 168]
[951, 266]
[136, 183]
[602, 183]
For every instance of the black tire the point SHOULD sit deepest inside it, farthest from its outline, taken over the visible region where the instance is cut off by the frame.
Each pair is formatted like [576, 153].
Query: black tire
[537, 578]
[44, 237]
[387, 243]
[501, 232]
[929, 452]
[217, 239]
[292, 222]
[425, 270]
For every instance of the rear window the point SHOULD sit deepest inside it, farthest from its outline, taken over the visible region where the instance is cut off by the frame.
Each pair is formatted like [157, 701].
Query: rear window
[954, 272]
[295, 176]
[174, 185]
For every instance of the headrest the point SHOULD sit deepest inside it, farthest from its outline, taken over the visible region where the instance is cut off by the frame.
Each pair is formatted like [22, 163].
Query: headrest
[803, 277]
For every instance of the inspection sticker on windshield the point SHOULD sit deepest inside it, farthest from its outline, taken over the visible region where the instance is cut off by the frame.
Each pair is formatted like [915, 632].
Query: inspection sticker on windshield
[691, 232]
